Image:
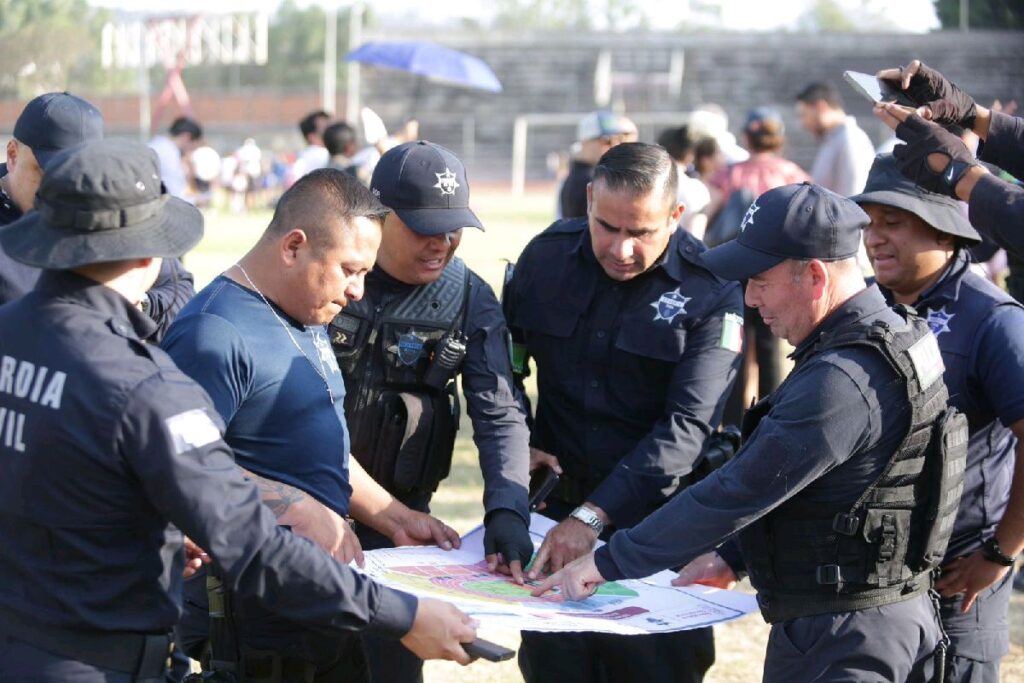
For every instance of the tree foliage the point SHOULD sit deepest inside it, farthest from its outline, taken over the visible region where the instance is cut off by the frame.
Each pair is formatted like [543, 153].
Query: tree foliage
[982, 14]
[48, 45]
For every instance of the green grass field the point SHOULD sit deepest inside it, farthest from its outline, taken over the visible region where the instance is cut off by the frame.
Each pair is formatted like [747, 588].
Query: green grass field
[511, 221]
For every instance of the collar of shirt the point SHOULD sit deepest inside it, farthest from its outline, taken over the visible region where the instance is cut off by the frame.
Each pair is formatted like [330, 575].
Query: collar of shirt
[857, 307]
[946, 288]
[67, 286]
[670, 260]
[388, 284]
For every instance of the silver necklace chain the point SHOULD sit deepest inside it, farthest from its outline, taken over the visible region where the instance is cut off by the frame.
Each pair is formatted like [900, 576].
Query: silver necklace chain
[320, 371]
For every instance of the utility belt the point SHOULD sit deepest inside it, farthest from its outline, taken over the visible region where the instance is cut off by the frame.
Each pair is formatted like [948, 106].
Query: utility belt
[778, 607]
[405, 442]
[142, 655]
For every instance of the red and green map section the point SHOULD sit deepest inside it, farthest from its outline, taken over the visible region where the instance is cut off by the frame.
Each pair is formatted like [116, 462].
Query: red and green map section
[473, 581]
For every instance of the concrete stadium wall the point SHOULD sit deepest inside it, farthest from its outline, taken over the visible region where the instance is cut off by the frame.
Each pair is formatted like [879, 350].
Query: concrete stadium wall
[555, 73]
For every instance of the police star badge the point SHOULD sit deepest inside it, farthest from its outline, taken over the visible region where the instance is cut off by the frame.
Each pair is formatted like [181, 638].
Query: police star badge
[748, 217]
[446, 182]
[410, 347]
[669, 305]
[938, 321]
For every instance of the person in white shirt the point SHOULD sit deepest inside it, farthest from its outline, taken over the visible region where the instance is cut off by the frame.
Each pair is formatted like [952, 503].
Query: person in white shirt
[171, 148]
[846, 152]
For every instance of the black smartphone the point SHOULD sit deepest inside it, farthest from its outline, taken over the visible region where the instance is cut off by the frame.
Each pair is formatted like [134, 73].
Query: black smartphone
[875, 89]
[485, 649]
[542, 483]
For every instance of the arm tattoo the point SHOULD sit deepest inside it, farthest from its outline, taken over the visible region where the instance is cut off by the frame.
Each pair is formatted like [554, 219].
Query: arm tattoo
[277, 496]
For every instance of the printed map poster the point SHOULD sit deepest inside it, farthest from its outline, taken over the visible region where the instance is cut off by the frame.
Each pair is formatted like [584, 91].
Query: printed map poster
[460, 576]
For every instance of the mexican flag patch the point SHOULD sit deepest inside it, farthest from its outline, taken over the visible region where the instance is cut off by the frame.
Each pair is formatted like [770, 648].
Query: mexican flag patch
[732, 333]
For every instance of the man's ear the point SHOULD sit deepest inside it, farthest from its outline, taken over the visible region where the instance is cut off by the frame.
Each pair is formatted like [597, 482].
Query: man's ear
[12, 154]
[292, 244]
[818, 274]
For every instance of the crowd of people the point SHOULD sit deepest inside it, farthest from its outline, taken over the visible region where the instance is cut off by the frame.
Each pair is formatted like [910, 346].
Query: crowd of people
[193, 473]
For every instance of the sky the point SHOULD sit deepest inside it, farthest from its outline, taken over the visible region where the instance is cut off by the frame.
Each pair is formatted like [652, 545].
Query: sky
[740, 15]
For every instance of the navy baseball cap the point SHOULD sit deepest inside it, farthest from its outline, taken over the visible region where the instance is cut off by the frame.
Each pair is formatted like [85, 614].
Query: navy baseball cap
[426, 186]
[888, 186]
[56, 121]
[803, 221]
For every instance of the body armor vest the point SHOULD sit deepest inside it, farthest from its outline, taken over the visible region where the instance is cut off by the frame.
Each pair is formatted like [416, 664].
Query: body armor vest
[399, 358]
[807, 558]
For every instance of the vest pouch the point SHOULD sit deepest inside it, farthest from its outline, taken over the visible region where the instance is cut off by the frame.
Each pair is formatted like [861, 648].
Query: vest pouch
[943, 482]
[384, 439]
[888, 532]
[424, 456]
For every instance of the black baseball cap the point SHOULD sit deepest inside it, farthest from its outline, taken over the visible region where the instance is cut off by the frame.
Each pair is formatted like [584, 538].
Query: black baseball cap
[426, 186]
[888, 186]
[55, 121]
[102, 201]
[803, 221]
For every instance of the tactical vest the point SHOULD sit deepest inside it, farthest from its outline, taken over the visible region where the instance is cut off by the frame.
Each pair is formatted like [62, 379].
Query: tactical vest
[399, 360]
[806, 558]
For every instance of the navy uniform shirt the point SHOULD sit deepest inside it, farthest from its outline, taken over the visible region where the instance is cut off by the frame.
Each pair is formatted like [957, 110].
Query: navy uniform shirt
[273, 396]
[980, 330]
[15, 277]
[102, 441]
[833, 426]
[997, 207]
[499, 425]
[631, 376]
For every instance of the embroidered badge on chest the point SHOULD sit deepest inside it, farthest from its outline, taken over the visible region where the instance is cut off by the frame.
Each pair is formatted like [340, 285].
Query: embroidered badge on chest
[938, 321]
[326, 353]
[410, 348]
[669, 305]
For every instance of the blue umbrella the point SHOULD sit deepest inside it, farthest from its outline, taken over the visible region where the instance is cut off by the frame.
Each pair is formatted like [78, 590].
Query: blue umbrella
[430, 60]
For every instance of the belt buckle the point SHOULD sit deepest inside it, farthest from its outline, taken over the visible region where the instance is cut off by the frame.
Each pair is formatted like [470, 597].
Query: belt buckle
[828, 574]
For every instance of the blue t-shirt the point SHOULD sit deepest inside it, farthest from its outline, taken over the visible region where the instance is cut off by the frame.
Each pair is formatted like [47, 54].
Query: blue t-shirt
[280, 420]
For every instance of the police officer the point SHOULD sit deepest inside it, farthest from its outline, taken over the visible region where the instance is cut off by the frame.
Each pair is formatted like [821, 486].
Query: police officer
[918, 243]
[104, 441]
[636, 344]
[423, 320]
[50, 123]
[255, 340]
[939, 161]
[824, 494]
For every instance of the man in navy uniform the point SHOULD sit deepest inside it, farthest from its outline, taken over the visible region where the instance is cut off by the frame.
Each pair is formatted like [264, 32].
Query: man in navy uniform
[636, 345]
[425, 319]
[105, 441]
[843, 495]
[50, 123]
[918, 245]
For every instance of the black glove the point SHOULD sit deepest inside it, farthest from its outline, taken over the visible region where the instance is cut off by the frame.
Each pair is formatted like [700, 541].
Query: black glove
[949, 104]
[924, 138]
[509, 535]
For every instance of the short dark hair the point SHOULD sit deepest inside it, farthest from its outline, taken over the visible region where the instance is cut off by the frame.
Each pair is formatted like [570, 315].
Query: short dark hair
[676, 141]
[339, 138]
[820, 92]
[184, 124]
[318, 200]
[307, 126]
[638, 168]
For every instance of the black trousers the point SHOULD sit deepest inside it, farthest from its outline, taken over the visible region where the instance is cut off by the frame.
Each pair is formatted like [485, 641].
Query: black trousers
[684, 657]
[389, 660]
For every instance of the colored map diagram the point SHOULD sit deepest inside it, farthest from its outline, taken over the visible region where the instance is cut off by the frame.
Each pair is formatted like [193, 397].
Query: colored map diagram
[460, 576]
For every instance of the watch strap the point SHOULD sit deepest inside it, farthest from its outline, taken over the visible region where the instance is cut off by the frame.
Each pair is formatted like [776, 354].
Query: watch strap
[993, 553]
[588, 517]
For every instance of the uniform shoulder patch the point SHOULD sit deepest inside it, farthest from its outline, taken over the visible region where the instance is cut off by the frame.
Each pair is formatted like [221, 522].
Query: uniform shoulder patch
[927, 360]
[732, 332]
[191, 429]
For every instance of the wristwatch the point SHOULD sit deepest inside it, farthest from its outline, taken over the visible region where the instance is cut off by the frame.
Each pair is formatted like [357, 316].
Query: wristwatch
[991, 551]
[588, 517]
